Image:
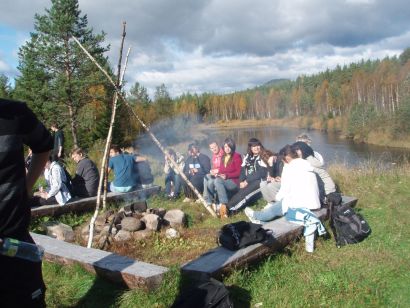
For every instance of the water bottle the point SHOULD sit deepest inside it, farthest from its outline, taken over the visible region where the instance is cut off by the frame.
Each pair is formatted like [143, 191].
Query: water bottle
[310, 242]
[23, 250]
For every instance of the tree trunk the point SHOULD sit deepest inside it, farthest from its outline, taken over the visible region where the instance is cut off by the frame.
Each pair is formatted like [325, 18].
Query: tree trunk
[72, 113]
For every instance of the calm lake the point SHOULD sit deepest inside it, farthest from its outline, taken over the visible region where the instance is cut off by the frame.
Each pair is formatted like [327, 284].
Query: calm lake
[332, 148]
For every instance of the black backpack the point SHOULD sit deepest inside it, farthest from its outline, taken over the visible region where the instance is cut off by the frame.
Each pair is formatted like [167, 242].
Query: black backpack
[206, 294]
[348, 226]
[240, 234]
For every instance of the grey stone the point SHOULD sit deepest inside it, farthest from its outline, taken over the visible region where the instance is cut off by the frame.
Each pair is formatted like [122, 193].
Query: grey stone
[152, 221]
[122, 236]
[131, 224]
[100, 221]
[60, 232]
[85, 230]
[141, 234]
[105, 230]
[171, 233]
[176, 218]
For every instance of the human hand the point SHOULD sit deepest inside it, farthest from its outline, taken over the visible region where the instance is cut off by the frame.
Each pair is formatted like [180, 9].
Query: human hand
[269, 178]
[277, 179]
[243, 184]
[223, 176]
[213, 172]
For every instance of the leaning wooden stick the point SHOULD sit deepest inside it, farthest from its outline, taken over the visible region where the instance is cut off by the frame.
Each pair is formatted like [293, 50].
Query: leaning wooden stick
[120, 79]
[156, 141]
[105, 156]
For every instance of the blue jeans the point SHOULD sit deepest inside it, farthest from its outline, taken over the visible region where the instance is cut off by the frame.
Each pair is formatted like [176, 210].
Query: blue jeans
[120, 189]
[172, 178]
[222, 187]
[209, 188]
[269, 212]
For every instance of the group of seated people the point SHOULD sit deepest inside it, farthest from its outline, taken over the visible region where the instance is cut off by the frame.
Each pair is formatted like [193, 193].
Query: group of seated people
[131, 171]
[292, 178]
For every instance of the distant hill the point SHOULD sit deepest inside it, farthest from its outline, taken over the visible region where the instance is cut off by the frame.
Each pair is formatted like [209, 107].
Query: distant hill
[275, 82]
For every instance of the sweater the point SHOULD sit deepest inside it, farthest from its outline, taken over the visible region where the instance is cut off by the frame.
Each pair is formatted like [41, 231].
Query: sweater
[233, 169]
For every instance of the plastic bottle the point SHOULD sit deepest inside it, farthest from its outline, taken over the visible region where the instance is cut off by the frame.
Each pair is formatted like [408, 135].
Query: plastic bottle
[23, 250]
[310, 242]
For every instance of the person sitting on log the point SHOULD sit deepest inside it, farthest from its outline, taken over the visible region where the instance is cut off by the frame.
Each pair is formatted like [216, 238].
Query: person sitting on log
[196, 167]
[209, 179]
[299, 188]
[86, 179]
[306, 139]
[325, 182]
[142, 169]
[271, 184]
[173, 179]
[57, 190]
[227, 178]
[252, 171]
[124, 172]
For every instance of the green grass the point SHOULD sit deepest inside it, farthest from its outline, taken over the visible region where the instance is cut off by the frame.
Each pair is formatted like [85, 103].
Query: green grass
[374, 273]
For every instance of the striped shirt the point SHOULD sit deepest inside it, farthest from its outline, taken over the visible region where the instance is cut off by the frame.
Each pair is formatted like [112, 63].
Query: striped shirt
[18, 126]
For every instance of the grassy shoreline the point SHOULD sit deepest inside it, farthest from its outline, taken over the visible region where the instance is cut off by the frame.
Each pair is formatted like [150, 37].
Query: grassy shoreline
[372, 273]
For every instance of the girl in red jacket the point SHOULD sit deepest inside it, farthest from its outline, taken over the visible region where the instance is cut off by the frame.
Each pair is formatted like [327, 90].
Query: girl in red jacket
[227, 179]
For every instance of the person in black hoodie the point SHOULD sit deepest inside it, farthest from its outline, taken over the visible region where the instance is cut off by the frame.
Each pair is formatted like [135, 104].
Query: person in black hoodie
[252, 171]
[196, 167]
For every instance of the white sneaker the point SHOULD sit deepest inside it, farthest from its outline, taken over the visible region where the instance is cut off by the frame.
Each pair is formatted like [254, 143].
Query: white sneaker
[249, 213]
[198, 201]
[187, 200]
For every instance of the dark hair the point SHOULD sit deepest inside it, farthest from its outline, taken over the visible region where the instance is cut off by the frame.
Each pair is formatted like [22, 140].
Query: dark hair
[288, 150]
[304, 148]
[79, 151]
[265, 154]
[116, 148]
[253, 142]
[55, 124]
[53, 157]
[193, 145]
[171, 152]
[230, 143]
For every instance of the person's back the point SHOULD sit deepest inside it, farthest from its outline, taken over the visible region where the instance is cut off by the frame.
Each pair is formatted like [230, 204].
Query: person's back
[299, 186]
[21, 284]
[124, 171]
[86, 179]
[89, 172]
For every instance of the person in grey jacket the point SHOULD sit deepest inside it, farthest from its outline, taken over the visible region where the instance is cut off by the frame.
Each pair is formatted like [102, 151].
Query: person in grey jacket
[85, 181]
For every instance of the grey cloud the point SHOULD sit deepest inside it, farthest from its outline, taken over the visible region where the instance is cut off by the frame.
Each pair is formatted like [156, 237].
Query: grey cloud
[214, 45]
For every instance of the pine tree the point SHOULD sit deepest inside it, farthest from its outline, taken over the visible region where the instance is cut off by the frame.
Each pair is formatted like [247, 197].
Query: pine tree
[66, 72]
[5, 89]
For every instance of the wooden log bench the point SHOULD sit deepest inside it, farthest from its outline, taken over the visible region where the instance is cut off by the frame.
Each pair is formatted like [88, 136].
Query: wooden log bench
[221, 260]
[88, 204]
[116, 268]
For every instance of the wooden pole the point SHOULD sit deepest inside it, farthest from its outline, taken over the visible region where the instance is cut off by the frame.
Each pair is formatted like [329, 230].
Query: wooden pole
[120, 79]
[104, 160]
[156, 141]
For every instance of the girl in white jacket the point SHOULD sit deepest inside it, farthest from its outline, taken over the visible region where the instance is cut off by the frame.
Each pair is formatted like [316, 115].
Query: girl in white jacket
[299, 188]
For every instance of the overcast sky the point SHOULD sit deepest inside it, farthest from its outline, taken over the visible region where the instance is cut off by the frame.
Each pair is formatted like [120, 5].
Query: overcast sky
[226, 45]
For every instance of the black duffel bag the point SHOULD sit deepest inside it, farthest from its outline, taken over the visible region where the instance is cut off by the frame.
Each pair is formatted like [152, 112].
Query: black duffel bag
[240, 234]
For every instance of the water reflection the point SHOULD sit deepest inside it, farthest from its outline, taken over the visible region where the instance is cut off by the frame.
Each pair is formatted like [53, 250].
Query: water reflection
[333, 148]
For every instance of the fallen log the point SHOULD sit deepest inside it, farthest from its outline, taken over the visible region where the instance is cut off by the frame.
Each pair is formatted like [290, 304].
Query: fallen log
[220, 260]
[88, 204]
